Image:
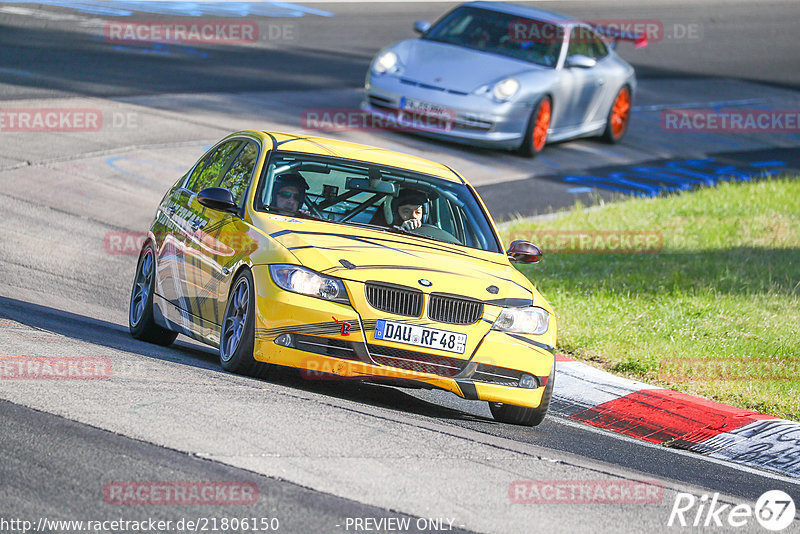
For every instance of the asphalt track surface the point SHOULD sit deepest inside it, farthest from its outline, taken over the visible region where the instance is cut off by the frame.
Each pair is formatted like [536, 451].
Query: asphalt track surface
[319, 452]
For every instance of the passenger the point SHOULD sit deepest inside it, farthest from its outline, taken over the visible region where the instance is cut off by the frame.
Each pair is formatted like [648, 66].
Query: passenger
[407, 209]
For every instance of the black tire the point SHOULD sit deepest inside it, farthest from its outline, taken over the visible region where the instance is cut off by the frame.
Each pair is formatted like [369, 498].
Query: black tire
[520, 415]
[141, 323]
[609, 134]
[237, 335]
[528, 148]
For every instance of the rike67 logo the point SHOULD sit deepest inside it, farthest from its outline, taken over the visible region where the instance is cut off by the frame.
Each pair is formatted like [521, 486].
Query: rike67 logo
[774, 511]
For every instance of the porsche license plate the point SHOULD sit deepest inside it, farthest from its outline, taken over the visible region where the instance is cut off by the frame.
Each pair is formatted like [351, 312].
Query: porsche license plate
[418, 106]
[421, 336]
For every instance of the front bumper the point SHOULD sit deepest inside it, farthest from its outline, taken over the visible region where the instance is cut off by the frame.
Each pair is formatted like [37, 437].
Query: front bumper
[329, 340]
[471, 119]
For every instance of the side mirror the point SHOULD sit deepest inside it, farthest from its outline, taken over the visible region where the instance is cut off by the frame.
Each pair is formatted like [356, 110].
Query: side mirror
[580, 61]
[524, 252]
[218, 198]
[422, 26]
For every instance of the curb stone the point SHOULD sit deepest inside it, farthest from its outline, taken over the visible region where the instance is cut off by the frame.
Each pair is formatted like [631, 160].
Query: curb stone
[673, 419]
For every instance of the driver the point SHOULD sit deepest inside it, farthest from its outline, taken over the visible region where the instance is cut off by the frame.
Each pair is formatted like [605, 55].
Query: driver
[289, 192]
[407, 209]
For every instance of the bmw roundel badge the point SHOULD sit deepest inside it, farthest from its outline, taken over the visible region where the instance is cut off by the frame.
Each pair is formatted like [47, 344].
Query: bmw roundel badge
[425, 283]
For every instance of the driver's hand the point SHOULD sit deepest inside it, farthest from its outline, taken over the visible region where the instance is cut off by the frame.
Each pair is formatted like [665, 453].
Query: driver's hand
[411, 224]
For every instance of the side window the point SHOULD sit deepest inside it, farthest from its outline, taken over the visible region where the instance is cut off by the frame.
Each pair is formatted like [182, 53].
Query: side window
[238, 176]
[577, 41]
[584, 41]
[600, 48]
[441, 213]
[198, 169]
[208, 174]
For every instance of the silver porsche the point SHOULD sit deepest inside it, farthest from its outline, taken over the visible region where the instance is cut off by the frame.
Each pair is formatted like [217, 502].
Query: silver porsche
[505, 76]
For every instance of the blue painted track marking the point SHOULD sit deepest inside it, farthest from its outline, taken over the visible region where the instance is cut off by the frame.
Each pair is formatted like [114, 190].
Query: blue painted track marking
[615, 185]
[161, 49]
[17, 72]
[549, 162]
[682, 175]
[219, 8]
[698, 105]
[677, 175]
[629, 177]
[768, 164]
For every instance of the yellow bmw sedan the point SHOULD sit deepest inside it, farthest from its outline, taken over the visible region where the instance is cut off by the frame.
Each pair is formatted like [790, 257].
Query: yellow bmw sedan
[345, 260]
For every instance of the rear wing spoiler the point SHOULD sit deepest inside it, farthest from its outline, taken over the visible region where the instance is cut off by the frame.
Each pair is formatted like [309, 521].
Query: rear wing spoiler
[639, 40]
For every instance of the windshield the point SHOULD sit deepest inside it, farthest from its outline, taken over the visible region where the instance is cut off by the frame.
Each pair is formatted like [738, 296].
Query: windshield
[366, 194]
[508, 35]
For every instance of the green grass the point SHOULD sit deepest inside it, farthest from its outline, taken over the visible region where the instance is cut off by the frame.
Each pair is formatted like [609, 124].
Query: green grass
[715, 313]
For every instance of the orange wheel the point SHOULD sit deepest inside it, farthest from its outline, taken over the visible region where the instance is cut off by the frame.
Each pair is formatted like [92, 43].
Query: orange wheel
[618, 116]
[536, 133]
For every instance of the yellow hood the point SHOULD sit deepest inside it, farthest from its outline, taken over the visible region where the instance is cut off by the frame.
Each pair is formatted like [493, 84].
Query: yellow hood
[361, 254]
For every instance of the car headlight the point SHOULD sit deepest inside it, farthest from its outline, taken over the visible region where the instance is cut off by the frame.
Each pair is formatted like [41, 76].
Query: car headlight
[505, 89]
[306, 282]
[385, 62]
[530, 320]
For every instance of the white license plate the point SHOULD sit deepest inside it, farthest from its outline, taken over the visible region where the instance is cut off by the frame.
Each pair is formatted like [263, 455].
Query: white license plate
[421, 336]
[419, 106]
